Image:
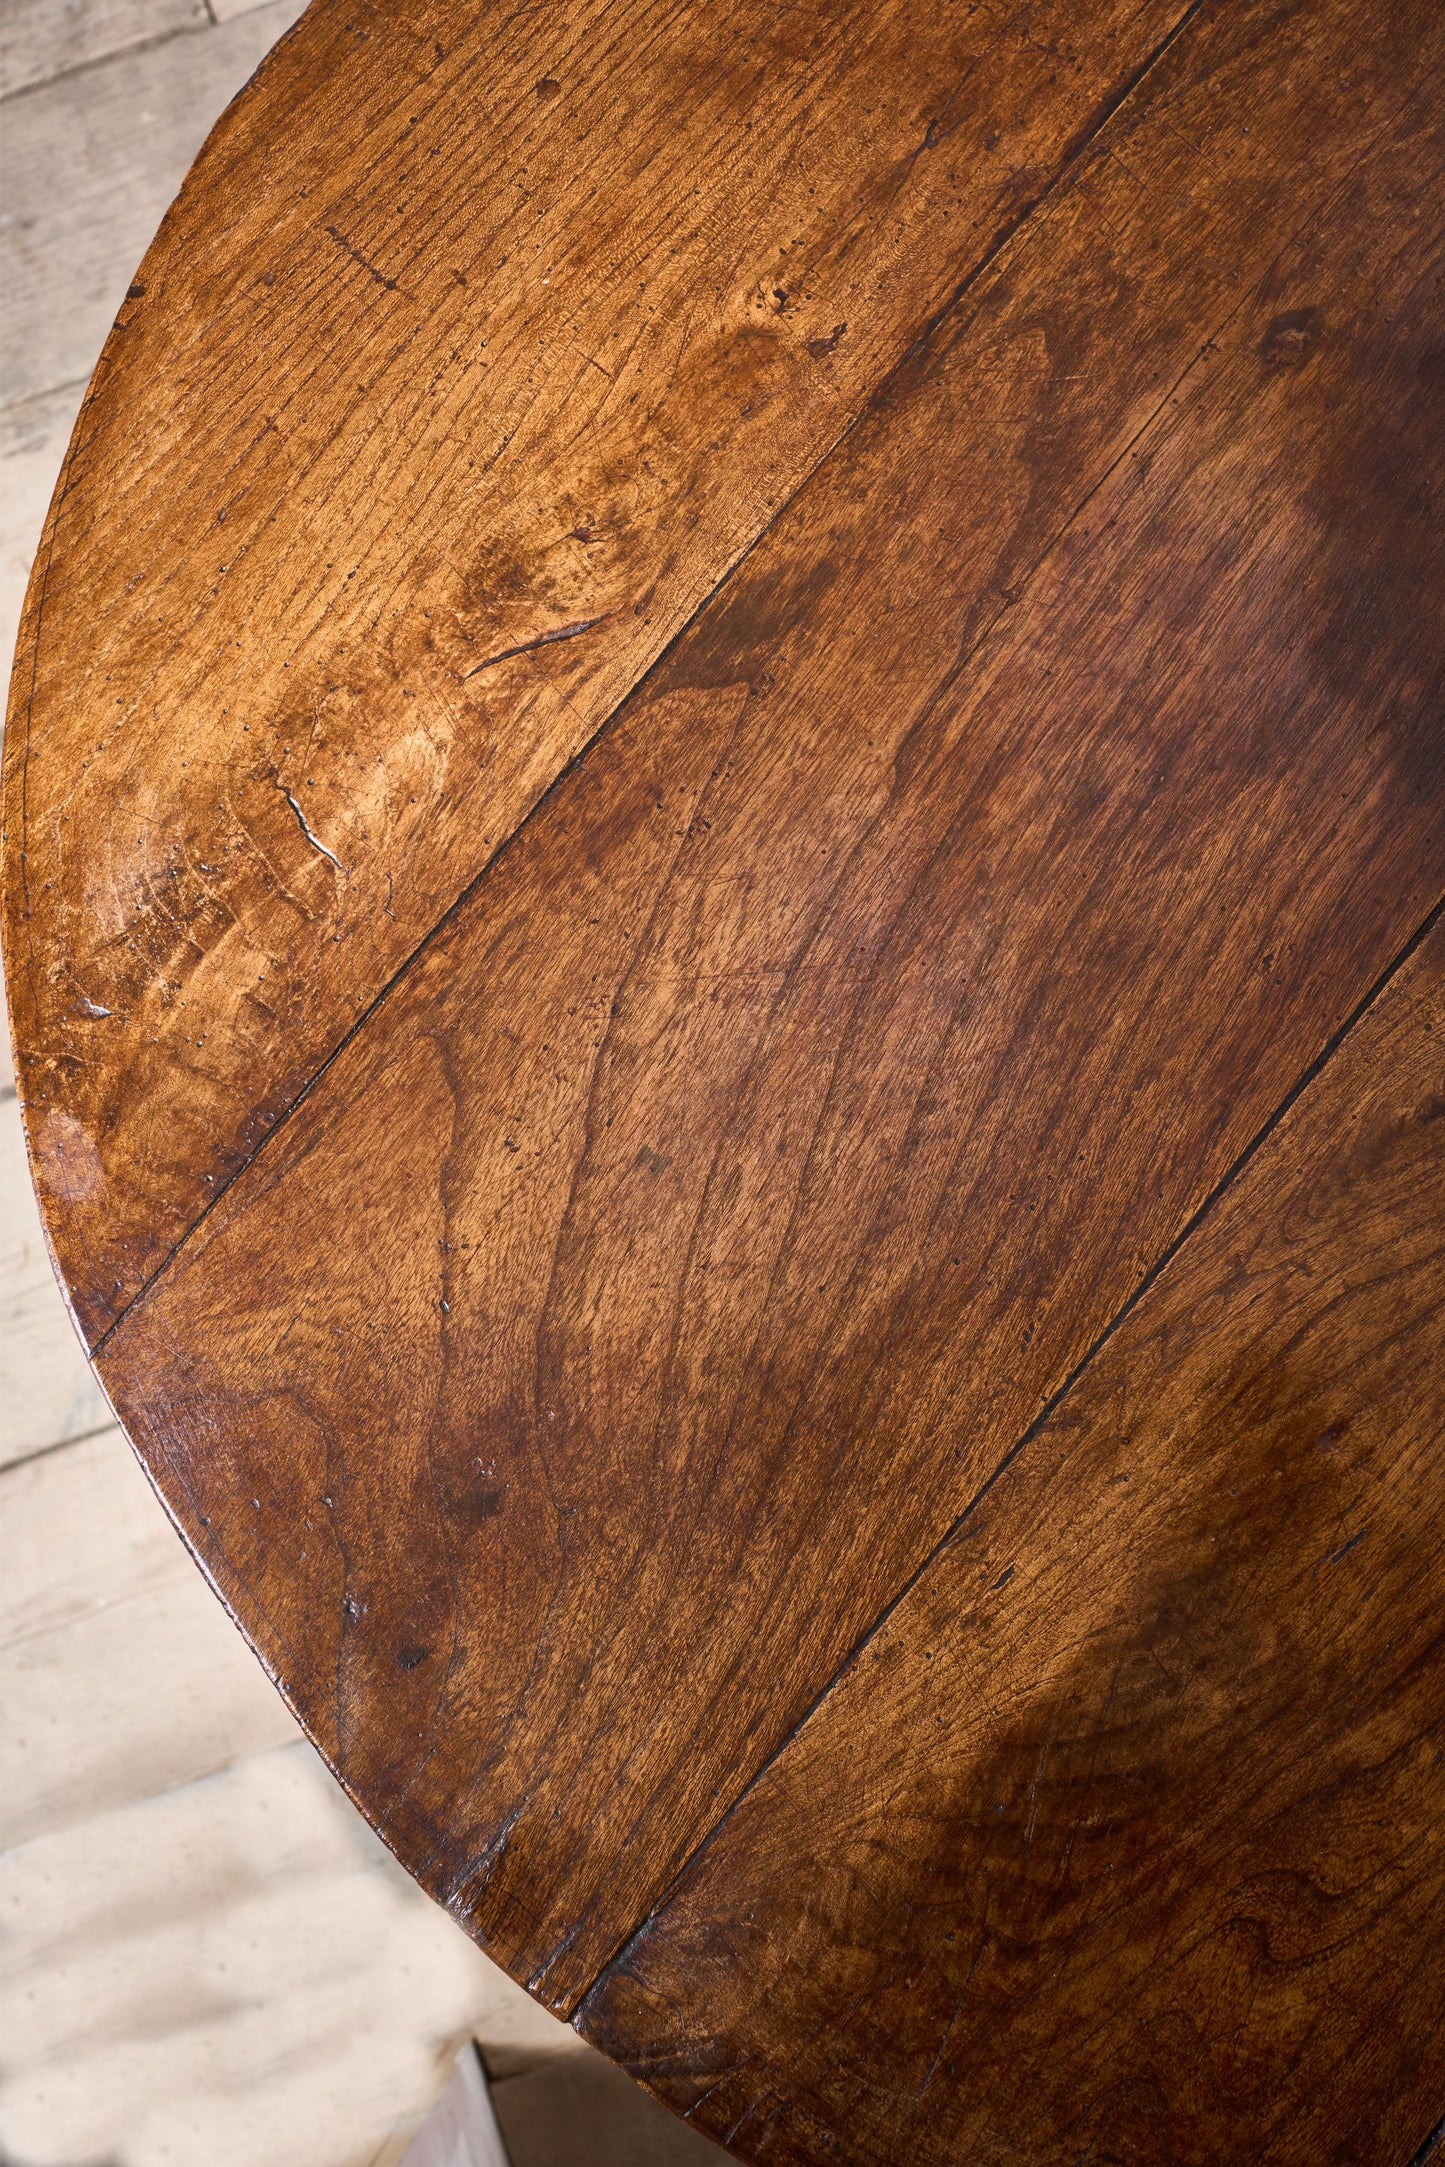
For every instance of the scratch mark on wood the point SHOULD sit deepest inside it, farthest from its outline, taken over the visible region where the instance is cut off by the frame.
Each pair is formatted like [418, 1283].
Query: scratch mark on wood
[543, 639]
[306, 828]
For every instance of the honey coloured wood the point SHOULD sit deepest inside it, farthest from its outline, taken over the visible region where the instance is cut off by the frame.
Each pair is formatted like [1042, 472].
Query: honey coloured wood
[478, 346]
[958, 1030]
[784, 1119]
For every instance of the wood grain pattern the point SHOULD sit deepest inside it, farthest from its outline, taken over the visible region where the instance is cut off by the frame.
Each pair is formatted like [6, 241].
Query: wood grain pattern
[1124, 1836]
[643, 1292]
[234, 1971]
[458, 375]
[579, 1242]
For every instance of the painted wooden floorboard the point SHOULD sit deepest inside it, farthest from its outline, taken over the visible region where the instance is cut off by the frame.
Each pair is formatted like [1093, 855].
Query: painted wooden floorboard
[93, 160]
[40, 39]
[232, 1972]
[33, 435]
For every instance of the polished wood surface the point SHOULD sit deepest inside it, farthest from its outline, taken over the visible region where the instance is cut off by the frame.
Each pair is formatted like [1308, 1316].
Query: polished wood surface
[733, 899]
[1143, 1806]
[459, 375]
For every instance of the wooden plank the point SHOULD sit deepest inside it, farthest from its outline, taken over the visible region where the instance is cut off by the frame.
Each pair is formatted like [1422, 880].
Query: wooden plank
[162, 1955]
[461, 2130]
[43, 38]
[48, 1392]
[92, 162]
[79, 1530]
[131, 2031]
[225, 1973]
[149, 1692]
[584, 2109]
[640, 1295]
[455, 346]
[123, 1677]
[225, 11]
[184, 1854]
[1124, 1835]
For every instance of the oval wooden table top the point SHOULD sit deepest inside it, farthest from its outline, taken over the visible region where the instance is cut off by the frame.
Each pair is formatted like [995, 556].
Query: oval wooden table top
[724, 825]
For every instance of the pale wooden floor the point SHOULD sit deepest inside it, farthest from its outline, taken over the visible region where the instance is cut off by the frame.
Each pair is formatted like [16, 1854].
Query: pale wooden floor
[209, 1959]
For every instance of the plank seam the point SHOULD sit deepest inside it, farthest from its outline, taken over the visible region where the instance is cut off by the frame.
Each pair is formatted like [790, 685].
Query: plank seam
[57, 1444]
[1238, 1166]
[9, 408]
[119, 52]
[1070, 161]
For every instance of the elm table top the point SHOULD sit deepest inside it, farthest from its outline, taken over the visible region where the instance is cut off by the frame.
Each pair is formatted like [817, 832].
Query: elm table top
[723, 825]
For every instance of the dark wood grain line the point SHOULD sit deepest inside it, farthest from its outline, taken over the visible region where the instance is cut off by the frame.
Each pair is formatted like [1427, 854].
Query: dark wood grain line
[1161, 1263]
[878, 400]
[1072, 156]
[403, 971]
[392, 416]
[1225, 1942]
[1079, 927]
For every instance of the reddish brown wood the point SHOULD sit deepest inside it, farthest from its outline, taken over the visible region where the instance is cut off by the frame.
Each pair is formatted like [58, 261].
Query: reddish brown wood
[1123, 1837]
[727, 1187]
[477, 347]
[610, 1325]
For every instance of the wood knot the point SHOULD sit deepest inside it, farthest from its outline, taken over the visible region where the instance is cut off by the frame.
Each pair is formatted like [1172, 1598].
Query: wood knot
[1291, 339]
